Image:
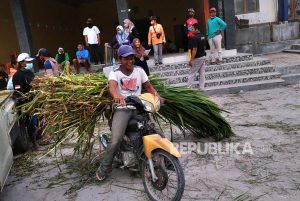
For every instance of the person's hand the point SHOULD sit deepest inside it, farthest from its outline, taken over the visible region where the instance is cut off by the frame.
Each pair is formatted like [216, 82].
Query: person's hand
[120, 100]
[191, 63]
[149, 44]
[34, 85]
[202, 38]
[218, 32]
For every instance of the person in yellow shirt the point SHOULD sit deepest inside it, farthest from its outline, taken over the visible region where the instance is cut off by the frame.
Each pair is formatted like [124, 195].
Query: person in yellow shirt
[156, 37]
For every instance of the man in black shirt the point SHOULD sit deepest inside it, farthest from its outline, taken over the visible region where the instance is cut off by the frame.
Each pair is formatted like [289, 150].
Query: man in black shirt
[23, 77]
[197, 61]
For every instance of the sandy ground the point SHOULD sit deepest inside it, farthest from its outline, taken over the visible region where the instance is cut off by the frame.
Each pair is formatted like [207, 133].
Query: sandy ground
[283, 59]
[268, 120]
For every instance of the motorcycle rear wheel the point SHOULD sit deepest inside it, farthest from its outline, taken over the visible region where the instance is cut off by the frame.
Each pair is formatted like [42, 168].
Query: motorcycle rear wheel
[170, 183]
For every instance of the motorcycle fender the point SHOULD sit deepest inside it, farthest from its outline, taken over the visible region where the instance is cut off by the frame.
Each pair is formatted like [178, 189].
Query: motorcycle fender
[152, 142]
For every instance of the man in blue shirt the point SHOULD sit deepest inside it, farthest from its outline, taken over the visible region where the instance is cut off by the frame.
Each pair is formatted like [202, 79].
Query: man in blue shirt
[215, 27]
[82, 59]
[50, 65]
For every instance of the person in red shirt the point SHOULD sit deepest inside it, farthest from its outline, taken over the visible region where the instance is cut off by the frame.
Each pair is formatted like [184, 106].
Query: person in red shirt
[190, 22]
[189, 26]
[12, 63]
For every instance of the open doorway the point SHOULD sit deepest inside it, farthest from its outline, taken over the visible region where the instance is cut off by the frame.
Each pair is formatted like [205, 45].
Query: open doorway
[172, 14]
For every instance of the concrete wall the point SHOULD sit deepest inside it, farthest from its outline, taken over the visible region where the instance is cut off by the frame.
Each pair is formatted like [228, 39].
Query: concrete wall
[256, 34]
[286, 31]
[266, 33]
[53, 24]
[267, 13]
[8, 35]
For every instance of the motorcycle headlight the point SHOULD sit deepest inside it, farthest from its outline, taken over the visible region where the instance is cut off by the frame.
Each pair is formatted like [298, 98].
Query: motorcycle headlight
[151, 102]
[148, 106]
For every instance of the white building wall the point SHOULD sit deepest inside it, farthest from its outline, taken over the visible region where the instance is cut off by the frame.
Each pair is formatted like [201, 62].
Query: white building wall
[268, 10]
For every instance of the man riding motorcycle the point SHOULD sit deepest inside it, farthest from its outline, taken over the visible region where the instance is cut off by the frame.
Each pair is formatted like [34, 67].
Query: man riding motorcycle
[125, 81]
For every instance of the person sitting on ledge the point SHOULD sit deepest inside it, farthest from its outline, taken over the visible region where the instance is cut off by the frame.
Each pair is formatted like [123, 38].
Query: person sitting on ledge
[82, 58]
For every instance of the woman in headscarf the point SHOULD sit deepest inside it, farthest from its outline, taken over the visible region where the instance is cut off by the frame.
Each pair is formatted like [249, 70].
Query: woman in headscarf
[140, 56]
[121, 38]
[130, 29]
[62, 58]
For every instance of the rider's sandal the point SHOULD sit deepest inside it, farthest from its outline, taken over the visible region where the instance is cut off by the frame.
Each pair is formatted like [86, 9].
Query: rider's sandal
[100, 175]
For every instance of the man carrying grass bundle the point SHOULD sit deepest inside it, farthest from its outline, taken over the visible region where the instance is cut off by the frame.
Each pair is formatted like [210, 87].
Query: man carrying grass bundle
[125, 81]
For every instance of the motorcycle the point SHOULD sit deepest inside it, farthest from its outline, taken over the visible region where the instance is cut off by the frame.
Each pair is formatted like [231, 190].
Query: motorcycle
[144, 151]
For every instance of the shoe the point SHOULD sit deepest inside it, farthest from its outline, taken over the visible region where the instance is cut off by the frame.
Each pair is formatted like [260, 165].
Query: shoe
[100, 175]
[156, 64]
[44, 141]
[160, 63]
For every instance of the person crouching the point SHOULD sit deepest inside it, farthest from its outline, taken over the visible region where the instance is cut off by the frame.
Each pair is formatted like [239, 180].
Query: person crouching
[82, 58]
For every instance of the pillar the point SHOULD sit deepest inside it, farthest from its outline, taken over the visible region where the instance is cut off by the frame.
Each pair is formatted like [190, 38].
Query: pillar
[21, 22]
[123, 12]
[206, 10]
[229, 18]
[283, 10]
[22, 26]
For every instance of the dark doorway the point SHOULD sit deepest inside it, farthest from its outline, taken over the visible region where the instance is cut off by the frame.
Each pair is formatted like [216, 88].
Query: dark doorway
[143, 27]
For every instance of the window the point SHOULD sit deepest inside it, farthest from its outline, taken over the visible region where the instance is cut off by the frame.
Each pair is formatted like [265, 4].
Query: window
[294, 9]
[246, 6]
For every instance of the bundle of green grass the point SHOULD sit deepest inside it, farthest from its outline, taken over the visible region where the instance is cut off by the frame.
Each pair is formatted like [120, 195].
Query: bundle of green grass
[76, 102]
[190, 110]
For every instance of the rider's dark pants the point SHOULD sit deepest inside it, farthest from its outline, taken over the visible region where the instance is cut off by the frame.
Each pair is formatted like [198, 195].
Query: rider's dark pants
[119, 124]
[120, 121]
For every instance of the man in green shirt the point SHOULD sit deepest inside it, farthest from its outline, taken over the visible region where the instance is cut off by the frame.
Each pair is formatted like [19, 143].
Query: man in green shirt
[215, 27]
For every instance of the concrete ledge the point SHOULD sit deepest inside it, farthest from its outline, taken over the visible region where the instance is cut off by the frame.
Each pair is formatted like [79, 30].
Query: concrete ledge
[290, 74]
[285, 70]
[291, 78]
[243, 87]
[292, 51]
[267, 48]
[183, 57]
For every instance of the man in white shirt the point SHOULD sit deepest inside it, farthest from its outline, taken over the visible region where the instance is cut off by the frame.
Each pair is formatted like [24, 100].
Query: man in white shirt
[125, 81]
[92, 40]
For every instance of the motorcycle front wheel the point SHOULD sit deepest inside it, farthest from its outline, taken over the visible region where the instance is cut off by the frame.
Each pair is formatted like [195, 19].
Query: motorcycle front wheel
[170, 183]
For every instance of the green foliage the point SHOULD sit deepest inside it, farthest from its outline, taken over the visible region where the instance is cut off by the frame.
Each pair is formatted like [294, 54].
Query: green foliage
[190, 110]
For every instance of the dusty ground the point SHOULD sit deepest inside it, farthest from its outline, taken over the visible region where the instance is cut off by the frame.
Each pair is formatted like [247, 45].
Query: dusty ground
[283, 59]
[267, 119]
